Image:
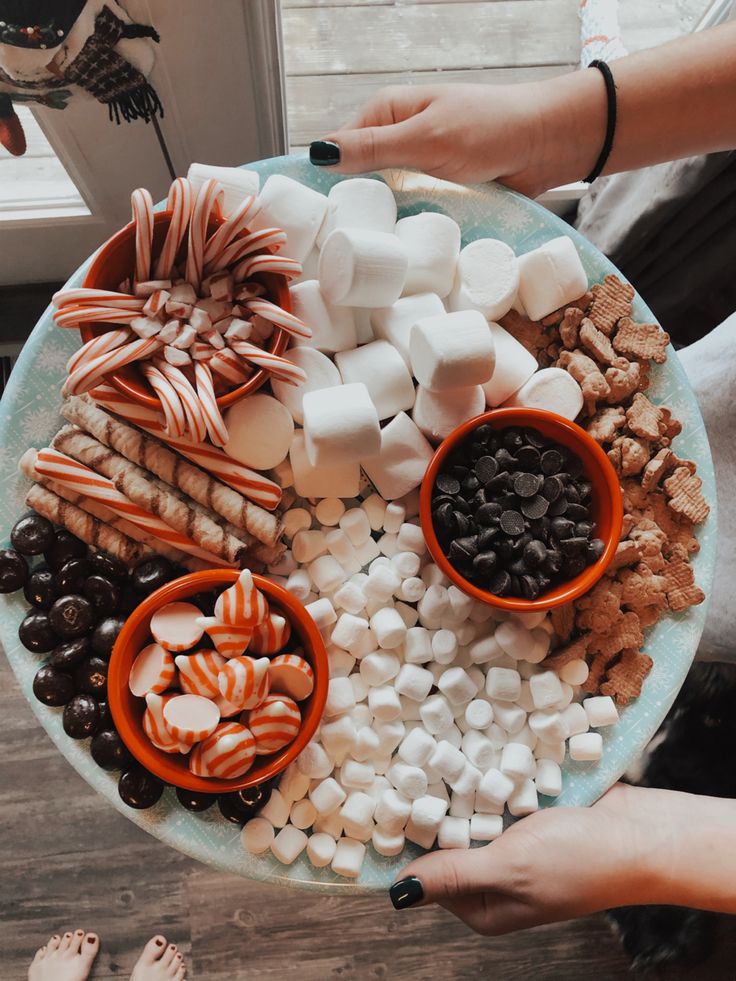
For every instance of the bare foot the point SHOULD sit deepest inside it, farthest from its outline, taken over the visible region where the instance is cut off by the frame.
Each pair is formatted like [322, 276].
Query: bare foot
[159, 962]
[67, 958]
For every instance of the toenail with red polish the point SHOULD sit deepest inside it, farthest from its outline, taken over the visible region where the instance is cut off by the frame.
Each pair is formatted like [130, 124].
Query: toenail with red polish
[91, 940]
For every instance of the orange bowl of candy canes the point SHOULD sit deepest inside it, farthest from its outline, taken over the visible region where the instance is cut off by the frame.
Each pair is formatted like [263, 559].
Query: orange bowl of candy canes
[215, 704]
[184, 311]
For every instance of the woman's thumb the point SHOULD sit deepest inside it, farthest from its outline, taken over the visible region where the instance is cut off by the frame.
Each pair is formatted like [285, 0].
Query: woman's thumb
[443, 875]
[355, 151]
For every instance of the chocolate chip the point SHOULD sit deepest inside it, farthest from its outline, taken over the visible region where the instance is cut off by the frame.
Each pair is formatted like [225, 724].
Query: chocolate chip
[512, 523]
[595, 549]
[584, 488]
[558, 507]
[562, 528]
[512, 439]
[483, 433]
[572, 494]
[498, 484]
[528, 458]
[527, 485]
[535, 438]
[462, 523]
[577, 512]
[553, 562]
[505, 460]
[485, 563]
[488, 514]
[535, 553]
[552, 488]
[573, 546]
[447, 484]
[444, 515]
[500, 583]
[574, 566]
[485, 468]
[487, 537]
[529, 587]
[552, 462]
[584, 529]
[470, 484]
[535, 507]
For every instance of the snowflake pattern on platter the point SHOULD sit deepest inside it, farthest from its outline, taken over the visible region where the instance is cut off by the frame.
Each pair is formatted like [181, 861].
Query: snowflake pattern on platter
[28, 414]
[52, 359]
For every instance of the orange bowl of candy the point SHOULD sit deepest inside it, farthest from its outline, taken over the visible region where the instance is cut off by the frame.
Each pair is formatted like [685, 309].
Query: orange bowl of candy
[205, 698]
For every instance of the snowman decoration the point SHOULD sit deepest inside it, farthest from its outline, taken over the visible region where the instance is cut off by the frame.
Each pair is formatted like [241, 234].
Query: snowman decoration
[51, 50]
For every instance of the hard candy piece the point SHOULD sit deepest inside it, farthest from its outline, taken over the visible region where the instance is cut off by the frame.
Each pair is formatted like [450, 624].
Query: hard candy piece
[298, 210]
[242, 604]
[394, 323]
[432, 241]
[552, 389]
[154, 724]
[260, 431]
[230, 640]
[340, 425]
[550, 277]
[401, 462]
[487, 278]
[226, 754]
[340, 480]
[333, 327]
[454, 350]
[514, 366]
[360, 268]
[360, 202]
[153, 671]
[244, 681]
[437, 413]
[271, 635]
[190, 718]
[176, 626]
[274, 723]
[381, 368]
[198, 672]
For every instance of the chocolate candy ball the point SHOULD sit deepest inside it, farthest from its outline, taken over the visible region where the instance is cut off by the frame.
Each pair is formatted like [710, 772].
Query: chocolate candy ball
[193, 801]
[81, 717]
[52, 687]
[105, 716]
[64, 547]
[139, 789]
[32, 535]
[71, 616]
[109, 751]
[102, 593]
[70, 578]
[13, 570]
[66, 656]
[105, 634]
[37, 634]
[152, 573]
[40, 590]
[129, 597]
[91, 676]
[243, 805]
[104, 564]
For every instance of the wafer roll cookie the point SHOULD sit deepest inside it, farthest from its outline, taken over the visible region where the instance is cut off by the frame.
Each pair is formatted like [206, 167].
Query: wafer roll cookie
[135, 484]
[91, 530]
[169, 467]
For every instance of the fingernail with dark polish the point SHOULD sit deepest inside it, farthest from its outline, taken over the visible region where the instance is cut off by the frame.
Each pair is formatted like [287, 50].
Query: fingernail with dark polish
[406, 892]
[323, 153]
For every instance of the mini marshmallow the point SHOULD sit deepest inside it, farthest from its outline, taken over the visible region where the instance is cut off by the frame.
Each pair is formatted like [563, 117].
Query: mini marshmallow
[546, 689]
[410, 781]
[550, 751]
[427, 813]
[509, 716]
[257, 836]
[548, 726]
[417, 747]
[485, 827]
[462, 805]
[342, 479]
[276, 811]
[434, 604]
[308, 545]
[288, 844]
[350, 598]
[540, 646]
[341, 663]
[338, 737]
[432, 242]
[349, 857]
[576, 719]
[357, 776]
[367, 645]
[384, 703]
[320, 372]
[478, 749]
[551, 389]
[394, 323]
[382, 584]
[514, 639]
[294, 784]
[410, 712]
[454, 832]
[486, 279]
[389, 734]
[456, 685]
[436, 714]
[468, 781]
[388, 627]
[296, 209]
[354, 523]
[574, 672]
[414, 682]
[340, 425]
[411, 590]
[329, 511]
[360, 688]
[366, 745]
[348, 630]
[360, 268]
[340, 697]
[333, 327]
[514, 366]
[341, 548]
[411, 539]
[387, 545]
[517, 761]
[524, 799]
[550, 277]
[375, 509]
[601, 711]
[327, 796]
[548, 778]
[485, 649]
[380, 366]
[379, 667]
[387, 844]
[448, 761]
[303, 814]
[314, 761]
[378, 787]
[359, 832]
[586, 746]
[423, 837]
[478, 714]
[360, 202]
[406, 564]
[236, 182]
[327, 574]
[503, 684]
[452, 735]
[321, 850]
[329, 824]
[494, 789]
[437, 414]
[399, 464]
[454, 350]
[358, 808]
[394, 517]
[367, 552]
[322, 612]
[417, 646]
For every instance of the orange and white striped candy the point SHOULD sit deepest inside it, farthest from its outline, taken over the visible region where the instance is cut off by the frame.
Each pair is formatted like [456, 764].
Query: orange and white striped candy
[227, 709]
[142, 206]
[198, 672]
[85, 295]
[173, 410]
[204, 204]
[230, 640]
[155, 727]
[190, 718]
[230, 366]
[291, 675]
[73, 316]
[196, 422]
[279, 367]
[242, 604]
[90, 373]
[176, 626]
[280, 264]
[228, 753]
[274, 723]
[236, 222]
[264, 238]
[101, 344]
[270, 635]
[208, 400]
[179, 202]
[153, 671]
[243, 681]
[276, 315]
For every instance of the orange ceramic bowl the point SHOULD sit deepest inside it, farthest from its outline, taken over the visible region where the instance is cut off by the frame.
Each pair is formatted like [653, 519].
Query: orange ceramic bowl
[607, 503]
[127, 710]
[115, 262]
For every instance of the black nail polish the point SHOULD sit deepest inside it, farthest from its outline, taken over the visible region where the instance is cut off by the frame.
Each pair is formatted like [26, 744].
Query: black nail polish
[323, 153]
[406, 892]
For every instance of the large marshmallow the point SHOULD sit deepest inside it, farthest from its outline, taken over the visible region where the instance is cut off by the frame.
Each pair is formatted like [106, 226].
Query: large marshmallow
[362, 268]
[487, 278]
[340, 425]
[320, 372]
[333, 328]
[432, 241]
[381, 368]
[298, 210]
[360, 202]
[339, 480]
[553, 389]
[402, 460]
[514, 366]
[394, 323]
[237, 183]
[452, 351]
[438, 413]
[550, 277]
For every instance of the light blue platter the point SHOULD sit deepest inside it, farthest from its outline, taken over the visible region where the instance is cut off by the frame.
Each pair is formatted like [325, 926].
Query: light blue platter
[29, 417]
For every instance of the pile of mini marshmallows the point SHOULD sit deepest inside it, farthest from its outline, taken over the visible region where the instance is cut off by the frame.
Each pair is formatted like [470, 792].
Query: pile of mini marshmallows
[439, 714]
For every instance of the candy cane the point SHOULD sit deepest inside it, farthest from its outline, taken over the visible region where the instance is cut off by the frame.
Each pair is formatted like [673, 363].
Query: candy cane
[192, 409]
[275, 315]
[180, 202]
[230, 366]
[248, 482]
[208, 400]
[142, 206]
[101, 298]
[81, 479]
[279, 367]
[203, 205]
[173, 410]
[265, 238]
[235, 224]
[88, 375]
[101, 344]
[74, 316]
[270, 263]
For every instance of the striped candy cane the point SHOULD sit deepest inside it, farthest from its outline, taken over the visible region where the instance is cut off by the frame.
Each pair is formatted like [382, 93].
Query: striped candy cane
[279, 367]
[173, 410]
[204, 203]
[179, 202]
[142, 207]
[270, 263]
[226, 754]
[196, 423]
[101, 344]
[235, 224]
[275, 315]
[91, 373]
[73, 316]
[208, 400]
[230, 366]
[265, 238]
[85, 296]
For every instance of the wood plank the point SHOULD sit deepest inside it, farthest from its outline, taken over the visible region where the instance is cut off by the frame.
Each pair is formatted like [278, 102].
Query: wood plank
[317, 105]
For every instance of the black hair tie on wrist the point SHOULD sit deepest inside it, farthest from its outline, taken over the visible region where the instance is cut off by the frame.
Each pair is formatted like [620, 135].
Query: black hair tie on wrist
[610, 121]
